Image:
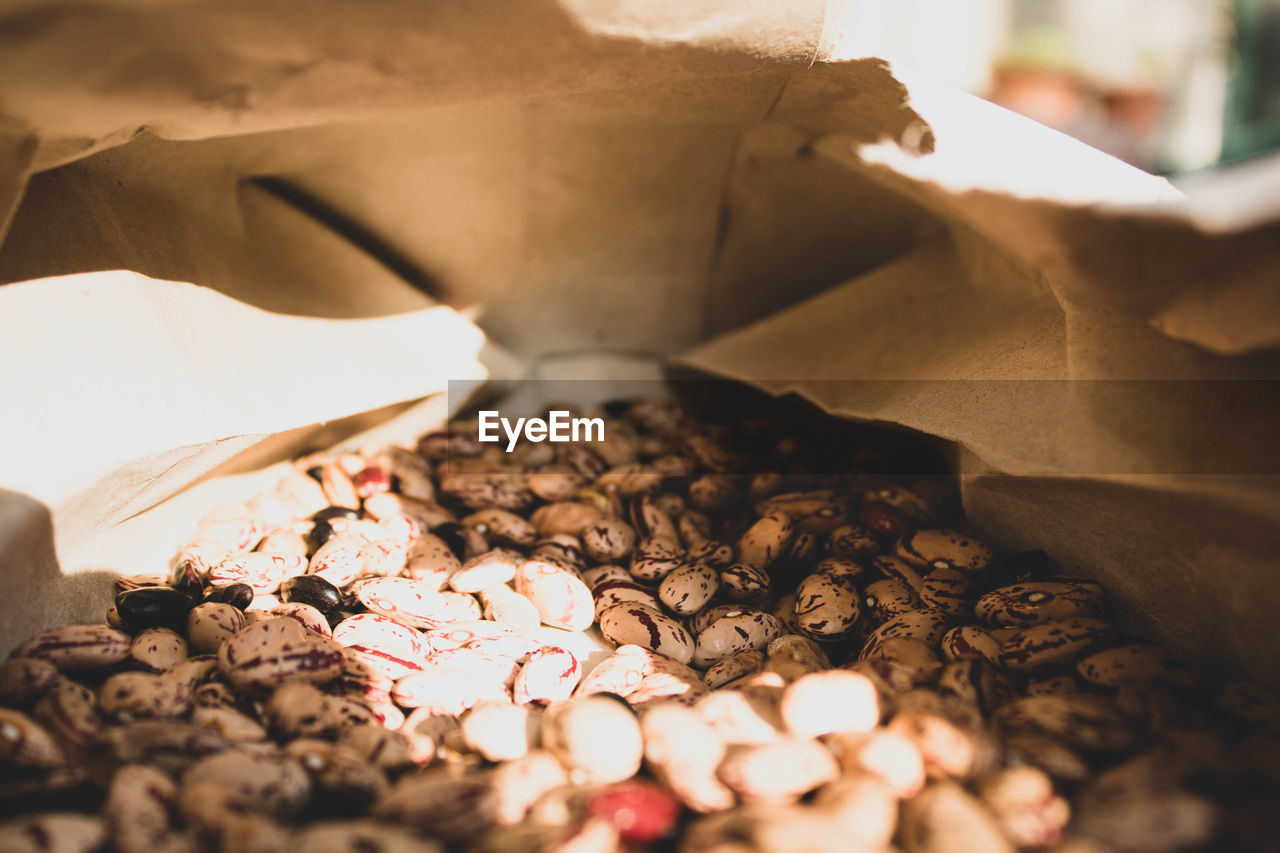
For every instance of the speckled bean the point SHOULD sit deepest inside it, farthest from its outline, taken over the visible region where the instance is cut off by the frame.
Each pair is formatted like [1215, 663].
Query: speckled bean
[740, 629]
[410, 602]
[300, 710]
[144, 695]
[766, 539]
[1059, 642]
[608, 540]
[158, 649]
[609, 593]
[733, 667]
[968, 641]
[888, 598]
[940, 548]
[644, 626]
[927, 626]
[311, 618]
[649, 520]
[744, 582]
[78, 647]
[502, 526]
[444, 806]
[1029, 603]
[561, 598]
[549, 675]
[655, 558]
[278, 650]
[827, 606]
[274, 784]
[689, 588]
[23, 680]
[261, 570]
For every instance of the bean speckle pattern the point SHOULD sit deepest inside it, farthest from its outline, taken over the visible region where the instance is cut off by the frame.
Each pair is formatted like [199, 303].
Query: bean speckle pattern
[606, 646]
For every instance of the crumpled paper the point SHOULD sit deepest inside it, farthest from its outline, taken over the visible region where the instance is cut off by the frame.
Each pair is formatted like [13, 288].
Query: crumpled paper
[706, 183]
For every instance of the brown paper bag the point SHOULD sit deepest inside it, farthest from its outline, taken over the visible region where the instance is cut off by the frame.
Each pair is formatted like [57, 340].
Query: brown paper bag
[706, 183]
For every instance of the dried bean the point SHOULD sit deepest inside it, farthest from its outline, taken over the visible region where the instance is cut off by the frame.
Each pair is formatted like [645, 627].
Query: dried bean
[944, 549]
[637, 624]
[947, 591]
[338, 561]
[689, 588]
[1138, 665]
[853, 541]
[278, 650]
[273, 783]
[945, 818]
[344, 836]
[826, 606]
[649, 521]
[234, 726]
[313, 590]
[611, 592]
[137, 809]
[505, 606]
[549, 675]
[69, 712]
[438, 804]
[143, 695]
[968, 641]
[1024, 803]
[620, 673]
[1086, 721]
[260, 570]
[744, 582]
[835, 701]
[733, 667]
[24, 743]
[446, 691]
[655, 558]
[23, 680]
[300, 710]
[503, 526]
[311, 618]
[77, 647]
[597, 739]
[901, 571]
[410, 602]
[778, 772]
[948, 749]
[561, 598]
[53, 832]
[767, 539]
[486, 570]
[927, 626]
[739, 629]
[749, 716]
[158, 649]
[238, 595]
[1056, 643]
[1029, 603]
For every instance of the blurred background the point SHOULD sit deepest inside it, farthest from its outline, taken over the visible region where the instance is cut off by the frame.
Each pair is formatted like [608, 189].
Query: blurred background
[1171, 86]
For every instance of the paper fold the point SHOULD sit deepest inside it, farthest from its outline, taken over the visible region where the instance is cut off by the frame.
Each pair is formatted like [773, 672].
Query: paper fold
[688, 181]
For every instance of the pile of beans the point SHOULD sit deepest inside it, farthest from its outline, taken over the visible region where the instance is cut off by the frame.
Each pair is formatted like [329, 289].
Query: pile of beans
[365, 658]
